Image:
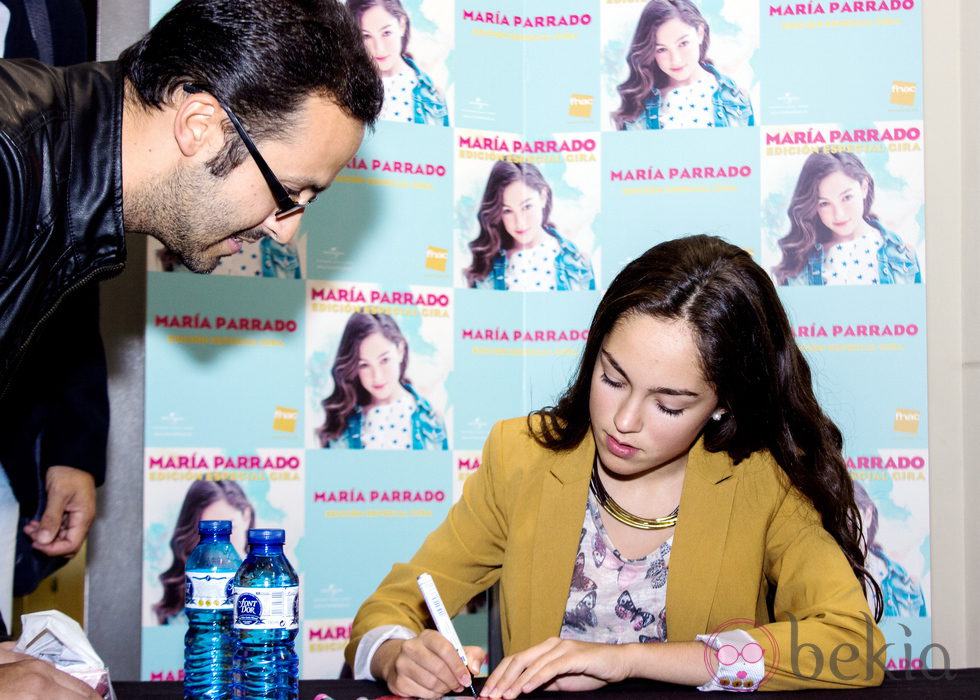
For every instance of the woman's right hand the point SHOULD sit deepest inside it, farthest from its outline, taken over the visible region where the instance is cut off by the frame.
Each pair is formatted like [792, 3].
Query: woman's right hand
[426, 666]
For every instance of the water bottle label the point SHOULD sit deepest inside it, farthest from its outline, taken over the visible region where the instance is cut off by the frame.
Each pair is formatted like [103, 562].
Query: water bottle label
[208, 590]
[267, 608]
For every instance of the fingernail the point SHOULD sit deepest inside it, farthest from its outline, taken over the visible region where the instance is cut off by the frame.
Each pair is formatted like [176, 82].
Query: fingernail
[44, 536]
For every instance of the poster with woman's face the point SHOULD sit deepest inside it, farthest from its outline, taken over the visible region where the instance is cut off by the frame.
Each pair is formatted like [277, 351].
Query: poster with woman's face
[410, 43]
[377, 362]
[687, 64]
[525, 211]
[843, 204]
[183, 485]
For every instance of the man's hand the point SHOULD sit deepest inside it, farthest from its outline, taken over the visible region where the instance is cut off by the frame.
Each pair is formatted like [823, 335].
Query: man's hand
[68, 515]
[23, 677]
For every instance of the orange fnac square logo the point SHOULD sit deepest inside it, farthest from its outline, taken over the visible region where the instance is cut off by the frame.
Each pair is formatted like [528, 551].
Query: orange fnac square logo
[580, 106]
[284, 419]
[906, 421]
[903, 93]
[436, 258]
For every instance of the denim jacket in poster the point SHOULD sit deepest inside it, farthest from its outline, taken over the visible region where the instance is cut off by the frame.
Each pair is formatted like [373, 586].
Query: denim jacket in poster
[428, 106]
[428, 429]
[897, 263]
[731, 106]
[572, 271]
[279, 260]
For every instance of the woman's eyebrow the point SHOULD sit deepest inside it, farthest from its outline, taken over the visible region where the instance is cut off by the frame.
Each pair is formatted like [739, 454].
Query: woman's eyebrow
[654, 390]
[680, 38]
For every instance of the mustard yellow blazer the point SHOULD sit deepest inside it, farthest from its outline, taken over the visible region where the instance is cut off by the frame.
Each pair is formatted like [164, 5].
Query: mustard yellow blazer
[742, 535]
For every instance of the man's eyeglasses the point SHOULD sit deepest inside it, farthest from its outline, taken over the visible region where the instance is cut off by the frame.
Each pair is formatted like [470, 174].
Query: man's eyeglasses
[286, 202]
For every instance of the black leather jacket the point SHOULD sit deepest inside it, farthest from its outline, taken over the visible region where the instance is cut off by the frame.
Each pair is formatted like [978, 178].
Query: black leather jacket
[61, 188]
[61, 183]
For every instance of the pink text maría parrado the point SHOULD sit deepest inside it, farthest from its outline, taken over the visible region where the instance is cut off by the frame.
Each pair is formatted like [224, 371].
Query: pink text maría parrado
[356, 496]
[326, 633]
[495, 143]
[815, 136]
[499, 334]
[402, 167]
[875, 462]
[798, 9]
[228, 323]
[195, 461]
[870, 330]
[536, 22]
[354, 295]
[697, 173]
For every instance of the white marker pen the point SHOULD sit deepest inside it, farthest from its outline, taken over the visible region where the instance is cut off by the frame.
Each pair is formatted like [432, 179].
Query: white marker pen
[441, 617]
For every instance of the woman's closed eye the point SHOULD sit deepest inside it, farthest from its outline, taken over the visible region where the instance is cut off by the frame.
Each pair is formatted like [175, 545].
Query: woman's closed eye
[612, 382]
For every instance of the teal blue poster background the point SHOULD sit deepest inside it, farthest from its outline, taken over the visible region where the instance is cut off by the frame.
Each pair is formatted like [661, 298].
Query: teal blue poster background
[823, 41]
[520, 78]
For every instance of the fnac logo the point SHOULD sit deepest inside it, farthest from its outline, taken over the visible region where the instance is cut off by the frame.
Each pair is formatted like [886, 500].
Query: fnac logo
[732, 659]
[580, 106]
[436, 258]
[907, 421]
[284, 419]
[903, 93]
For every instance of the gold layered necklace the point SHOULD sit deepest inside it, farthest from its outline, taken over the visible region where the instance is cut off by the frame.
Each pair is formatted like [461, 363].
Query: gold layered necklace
[623, 515]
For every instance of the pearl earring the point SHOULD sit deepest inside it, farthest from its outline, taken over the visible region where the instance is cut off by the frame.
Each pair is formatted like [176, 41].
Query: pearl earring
[717, 415]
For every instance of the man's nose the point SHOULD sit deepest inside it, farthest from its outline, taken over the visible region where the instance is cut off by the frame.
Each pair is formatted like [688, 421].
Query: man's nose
[284, 229]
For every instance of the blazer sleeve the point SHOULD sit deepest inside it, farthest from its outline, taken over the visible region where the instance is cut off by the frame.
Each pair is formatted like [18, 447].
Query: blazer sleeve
[824, 635]
[463, 555]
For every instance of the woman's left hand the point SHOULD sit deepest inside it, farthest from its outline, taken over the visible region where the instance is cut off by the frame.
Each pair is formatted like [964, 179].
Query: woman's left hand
[558, 664]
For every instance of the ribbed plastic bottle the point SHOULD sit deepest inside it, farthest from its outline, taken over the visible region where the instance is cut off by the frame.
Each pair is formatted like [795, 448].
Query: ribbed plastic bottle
[209, 644]
[266, 621]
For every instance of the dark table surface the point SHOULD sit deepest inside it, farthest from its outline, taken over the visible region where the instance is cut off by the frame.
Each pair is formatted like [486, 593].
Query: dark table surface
[900, 685]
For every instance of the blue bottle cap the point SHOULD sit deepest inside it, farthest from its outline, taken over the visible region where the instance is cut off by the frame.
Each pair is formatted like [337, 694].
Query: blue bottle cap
[214, 527]
[266, 536]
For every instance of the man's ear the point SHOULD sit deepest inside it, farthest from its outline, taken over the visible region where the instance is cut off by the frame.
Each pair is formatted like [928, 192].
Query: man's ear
[197, 124]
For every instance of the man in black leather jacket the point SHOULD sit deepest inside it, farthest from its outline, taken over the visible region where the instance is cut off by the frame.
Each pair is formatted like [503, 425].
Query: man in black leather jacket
[149, 145]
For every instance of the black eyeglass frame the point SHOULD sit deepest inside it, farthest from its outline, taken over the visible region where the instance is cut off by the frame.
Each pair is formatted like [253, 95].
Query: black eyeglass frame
[286, 203]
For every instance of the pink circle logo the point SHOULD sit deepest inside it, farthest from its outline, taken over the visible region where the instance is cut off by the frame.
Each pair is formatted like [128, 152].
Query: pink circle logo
[730, 672]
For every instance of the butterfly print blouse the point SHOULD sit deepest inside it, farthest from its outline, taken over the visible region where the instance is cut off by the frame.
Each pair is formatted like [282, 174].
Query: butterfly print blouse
[612, 599]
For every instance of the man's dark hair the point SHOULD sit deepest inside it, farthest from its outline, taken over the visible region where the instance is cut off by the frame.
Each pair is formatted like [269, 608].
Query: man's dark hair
[261, 57]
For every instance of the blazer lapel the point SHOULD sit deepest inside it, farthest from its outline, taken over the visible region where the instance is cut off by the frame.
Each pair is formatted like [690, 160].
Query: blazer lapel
[699, 542]
[562, 508]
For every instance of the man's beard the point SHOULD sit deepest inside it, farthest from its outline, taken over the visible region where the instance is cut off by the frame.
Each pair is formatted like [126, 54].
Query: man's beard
[185, 212]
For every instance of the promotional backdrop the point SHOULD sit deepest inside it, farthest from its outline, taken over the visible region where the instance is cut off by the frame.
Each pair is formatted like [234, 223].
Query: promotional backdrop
[241, 364]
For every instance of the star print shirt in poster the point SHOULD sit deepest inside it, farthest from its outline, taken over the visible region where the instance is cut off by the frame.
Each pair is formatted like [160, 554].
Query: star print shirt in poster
[389, 427]
[853, 262]
[533, 269]
[689, 106]
[398, 96]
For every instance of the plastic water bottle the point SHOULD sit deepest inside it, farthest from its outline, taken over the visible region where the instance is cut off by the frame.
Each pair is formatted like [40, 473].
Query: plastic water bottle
[266, 621]
[209, 644]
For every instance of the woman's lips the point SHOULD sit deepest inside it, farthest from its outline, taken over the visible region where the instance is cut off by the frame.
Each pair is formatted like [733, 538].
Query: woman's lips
[618, 448]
